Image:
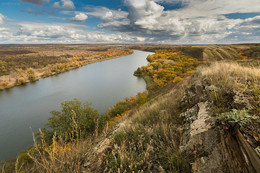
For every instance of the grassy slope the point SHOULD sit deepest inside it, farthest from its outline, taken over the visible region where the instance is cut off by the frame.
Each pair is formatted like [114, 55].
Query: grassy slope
[149, 138]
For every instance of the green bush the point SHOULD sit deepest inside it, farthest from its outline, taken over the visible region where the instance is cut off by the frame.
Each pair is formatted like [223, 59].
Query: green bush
[236, 117]
[138, 72]
[74, 120]
[119, 108]
[129, 103]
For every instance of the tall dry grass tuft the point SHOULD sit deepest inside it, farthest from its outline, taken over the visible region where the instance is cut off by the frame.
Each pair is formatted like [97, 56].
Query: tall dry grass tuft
[230, 74]
[60, 156]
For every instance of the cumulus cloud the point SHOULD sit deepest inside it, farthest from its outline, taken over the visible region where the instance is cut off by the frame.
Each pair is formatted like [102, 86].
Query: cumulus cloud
[39, 2]
[201, 20]
[109, 38]
[80, 17]
[45, 31]
[144, 12]
[60, 33]
[5, 35]
[65, 4]
[247, 31]
[5, 32]
[106, 14]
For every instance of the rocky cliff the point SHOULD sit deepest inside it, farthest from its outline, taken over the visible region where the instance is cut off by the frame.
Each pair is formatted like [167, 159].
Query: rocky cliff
[207, 146]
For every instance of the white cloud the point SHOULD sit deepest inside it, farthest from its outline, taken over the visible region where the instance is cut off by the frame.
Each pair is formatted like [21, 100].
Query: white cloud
[200, 20]
[2, 17]
[107, 14]
[65, 4]
[144, 12]
[35, 1]
[46, 33]
[103, 37]
[247, 31]
[80, 17]
[24, 32]
[56, 5]
[252, 22]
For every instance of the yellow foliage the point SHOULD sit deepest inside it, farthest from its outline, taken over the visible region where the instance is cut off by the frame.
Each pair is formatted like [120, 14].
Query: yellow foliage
[168, 66]
[177, 79]
[56, 149]
[118, 117]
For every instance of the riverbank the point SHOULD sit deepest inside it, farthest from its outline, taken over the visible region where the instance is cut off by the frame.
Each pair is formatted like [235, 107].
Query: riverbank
[103, 84]
[193, 124]
[21, 67]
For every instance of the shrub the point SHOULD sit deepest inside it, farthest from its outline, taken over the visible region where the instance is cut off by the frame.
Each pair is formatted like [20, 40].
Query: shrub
[31, 74]
[31, 77]
[123, 106]
[138, 72]
[74, 120]
[177, 79]
[141, 98]
[118, 108]
[20, 81]
[235, 117]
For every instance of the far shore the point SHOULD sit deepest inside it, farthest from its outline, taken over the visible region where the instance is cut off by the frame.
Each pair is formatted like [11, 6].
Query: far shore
[64, 62]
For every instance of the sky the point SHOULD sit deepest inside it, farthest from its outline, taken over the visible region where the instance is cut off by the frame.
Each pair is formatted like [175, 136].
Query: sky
[129, 21]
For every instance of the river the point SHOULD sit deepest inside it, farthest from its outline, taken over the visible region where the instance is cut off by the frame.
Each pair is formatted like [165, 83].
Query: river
[25, 109]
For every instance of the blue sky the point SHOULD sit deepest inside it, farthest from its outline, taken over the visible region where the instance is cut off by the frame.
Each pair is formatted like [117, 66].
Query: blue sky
[129, 21]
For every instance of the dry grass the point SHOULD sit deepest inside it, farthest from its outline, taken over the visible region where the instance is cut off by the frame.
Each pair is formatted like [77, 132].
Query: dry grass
[150, 140]
[61, 156]
[230, 74]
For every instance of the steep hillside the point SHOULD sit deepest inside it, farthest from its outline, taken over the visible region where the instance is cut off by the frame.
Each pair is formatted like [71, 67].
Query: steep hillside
[199, 115]
[182, 131]
[208, 122]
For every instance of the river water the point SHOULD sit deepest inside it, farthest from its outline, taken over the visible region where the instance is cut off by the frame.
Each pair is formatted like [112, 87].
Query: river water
[25, 109]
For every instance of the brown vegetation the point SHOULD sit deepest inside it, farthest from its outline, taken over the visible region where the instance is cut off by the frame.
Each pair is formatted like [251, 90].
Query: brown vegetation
[22, 64]
[173, 130]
